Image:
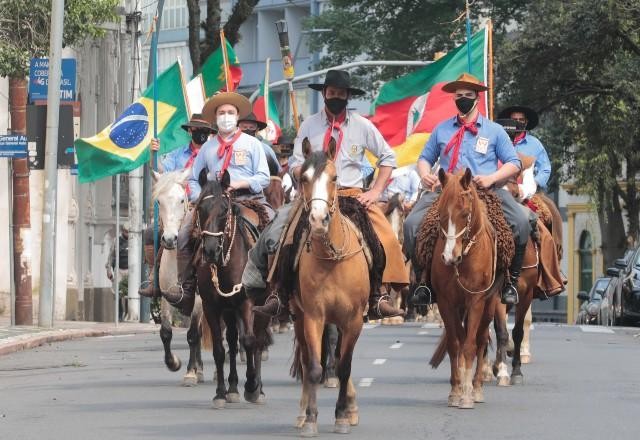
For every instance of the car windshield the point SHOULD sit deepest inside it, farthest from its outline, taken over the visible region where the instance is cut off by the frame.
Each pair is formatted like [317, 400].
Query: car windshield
[599, 287]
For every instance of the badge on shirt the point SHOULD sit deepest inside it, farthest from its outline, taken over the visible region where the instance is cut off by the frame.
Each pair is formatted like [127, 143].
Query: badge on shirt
[355, 151]
[240, 157]
[482, 145]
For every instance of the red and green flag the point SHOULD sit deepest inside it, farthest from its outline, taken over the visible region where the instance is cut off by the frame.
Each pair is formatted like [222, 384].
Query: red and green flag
[271, 117]
[124, 145]
[212, 71]
[408, 108]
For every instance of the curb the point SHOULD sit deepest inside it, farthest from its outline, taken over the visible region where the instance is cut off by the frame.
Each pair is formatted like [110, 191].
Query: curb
[26, 342]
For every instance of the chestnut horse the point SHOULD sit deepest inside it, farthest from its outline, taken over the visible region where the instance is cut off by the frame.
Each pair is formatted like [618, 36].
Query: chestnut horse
[466, 283]
[333, 287]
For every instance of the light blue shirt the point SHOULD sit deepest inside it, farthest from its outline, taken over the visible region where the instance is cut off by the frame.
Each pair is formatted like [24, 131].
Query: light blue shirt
[479, 153]
[177, 159]
[531, 146]
[248, 162]
[268, 150]
[406, 184]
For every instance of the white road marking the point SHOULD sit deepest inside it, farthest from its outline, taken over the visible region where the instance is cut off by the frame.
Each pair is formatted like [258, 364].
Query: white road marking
[430, 325]
[379, 361]
[510, 326]
[396, 346]
[596, 329]
[365, 382]
[370, 326]
[423, 333]
[115, 336]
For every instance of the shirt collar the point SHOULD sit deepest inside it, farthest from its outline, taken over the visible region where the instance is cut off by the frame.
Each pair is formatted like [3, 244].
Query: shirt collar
[327, 121]
[479, 121]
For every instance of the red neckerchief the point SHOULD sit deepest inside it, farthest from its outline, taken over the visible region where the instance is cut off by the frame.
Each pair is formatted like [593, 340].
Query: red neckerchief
[192, 157]
[519, 138]
[336, 124]
[456, 141]
[225, 149]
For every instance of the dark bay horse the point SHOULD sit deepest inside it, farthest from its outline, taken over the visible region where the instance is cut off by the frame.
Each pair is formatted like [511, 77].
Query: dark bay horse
[274, 193]
[464, 276]
[333, 287]
[225, 241]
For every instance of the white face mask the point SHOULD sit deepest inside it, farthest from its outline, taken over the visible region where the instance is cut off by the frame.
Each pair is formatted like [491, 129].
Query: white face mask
[226, 122]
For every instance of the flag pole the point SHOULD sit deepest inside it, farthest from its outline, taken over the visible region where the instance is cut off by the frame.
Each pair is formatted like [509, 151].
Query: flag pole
[183, 83]
[225, 59]
[490, 67]
[265, 90]
[154, 67]
[468, 23]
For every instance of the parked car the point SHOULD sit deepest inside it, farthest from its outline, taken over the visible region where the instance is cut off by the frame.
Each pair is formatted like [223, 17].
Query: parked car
[627, 301]
[615, 273]
[595, 308]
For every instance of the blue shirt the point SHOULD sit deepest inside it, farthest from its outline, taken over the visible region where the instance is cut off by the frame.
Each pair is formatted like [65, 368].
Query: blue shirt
[479, 153]
[531, 146]
[407, 184]
[248, 162]
[268, 150]
[177, 159]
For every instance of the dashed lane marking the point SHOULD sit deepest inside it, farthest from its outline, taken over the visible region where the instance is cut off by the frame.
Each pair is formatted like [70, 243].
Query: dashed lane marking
[596, 329]
[365, 382]
[423, 333]
[379, 361]
[510, 326]
[396, 346]
[370, 326]
[431, 325]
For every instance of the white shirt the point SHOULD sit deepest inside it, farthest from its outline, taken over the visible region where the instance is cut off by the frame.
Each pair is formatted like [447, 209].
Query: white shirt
[359, 134]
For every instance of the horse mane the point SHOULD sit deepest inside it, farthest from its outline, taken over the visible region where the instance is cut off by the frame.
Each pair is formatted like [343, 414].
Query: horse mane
[395, 202]
[273, 166]
[166, 181]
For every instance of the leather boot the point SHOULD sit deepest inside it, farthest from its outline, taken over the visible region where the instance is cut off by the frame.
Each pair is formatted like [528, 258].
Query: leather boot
[183, 294]
[509, 294]
[274, 304]
[149, 288]
[381, 307]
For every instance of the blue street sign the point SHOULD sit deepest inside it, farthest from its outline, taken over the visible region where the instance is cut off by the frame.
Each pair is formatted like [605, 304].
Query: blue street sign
[39, 79]
[13, 146]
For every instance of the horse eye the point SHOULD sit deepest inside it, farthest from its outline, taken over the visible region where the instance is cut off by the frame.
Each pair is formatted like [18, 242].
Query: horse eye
[334, 178]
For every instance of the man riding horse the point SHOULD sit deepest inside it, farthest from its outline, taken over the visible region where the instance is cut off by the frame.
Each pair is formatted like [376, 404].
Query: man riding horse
[179, 159]
[251, 125]
[470, 140]
[231, 150]
[353, 135]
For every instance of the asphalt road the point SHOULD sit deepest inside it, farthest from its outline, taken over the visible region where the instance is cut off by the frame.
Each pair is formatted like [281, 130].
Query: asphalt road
[581, 384]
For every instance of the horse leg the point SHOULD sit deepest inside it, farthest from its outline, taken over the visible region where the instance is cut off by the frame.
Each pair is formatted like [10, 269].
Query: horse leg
[261, 328]
[329, 343]
[521, 311]
[252, 385]
[193, 338]
[313, 329]
[215, 323]
[482, 342]
[345, 404]
[232, 396]
[469, 350]
[302, 355]
[197, 317]
[453, 329]
[525, 348]
[500, 369]
[166, 334]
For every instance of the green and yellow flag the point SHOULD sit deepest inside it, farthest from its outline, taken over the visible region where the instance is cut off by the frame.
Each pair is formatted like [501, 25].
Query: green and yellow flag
[212, 71]
[123, 145]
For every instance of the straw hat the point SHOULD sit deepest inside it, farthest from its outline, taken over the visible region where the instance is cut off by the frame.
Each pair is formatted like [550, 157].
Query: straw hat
[465, 81]
[235, 99]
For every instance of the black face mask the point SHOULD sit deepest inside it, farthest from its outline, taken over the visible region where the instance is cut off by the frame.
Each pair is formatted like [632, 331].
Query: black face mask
[335, 105]
[200, 136]
[250, 132]
[465, 104]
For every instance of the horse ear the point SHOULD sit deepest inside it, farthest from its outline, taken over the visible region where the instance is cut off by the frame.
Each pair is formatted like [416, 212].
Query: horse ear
[331, 149]
[306, 148]
[155, 175]
[225, 181]
[202, 177]
[442, 176]
[466, 179]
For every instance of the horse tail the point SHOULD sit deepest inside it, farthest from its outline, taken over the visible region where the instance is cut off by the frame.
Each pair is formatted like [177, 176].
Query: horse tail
[206, 340]
[296, 366]
[440, 353]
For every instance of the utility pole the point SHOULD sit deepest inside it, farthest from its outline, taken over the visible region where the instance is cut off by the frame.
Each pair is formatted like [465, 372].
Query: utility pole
[47, 261]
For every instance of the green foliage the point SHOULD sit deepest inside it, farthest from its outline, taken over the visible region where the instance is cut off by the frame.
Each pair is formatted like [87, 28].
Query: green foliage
[25, 26]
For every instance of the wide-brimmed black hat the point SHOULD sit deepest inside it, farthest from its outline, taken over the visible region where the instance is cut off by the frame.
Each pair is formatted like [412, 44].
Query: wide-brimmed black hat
[529, 113]
[339, 79]
[510, 126]
[251, 117]
[197, 121]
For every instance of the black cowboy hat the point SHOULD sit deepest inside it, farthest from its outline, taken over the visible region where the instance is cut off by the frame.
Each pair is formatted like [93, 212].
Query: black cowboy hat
[510, 126]
[251, 117]
[529, 113]
[197, 121]
[285, 139]
[339, 79]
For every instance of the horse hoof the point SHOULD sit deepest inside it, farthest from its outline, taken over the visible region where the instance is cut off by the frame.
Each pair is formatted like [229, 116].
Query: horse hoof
[525, 358]
[254, 397]
[517, 380]
[219, 403]
[487, 377]
[175, 364]
[478, 396]
[354, 418]
[300, 421]
[265, 356]
[503, 381]
[466, 404]
[233, 398]
[454, 401]
[331, 382]
[309, 430]
[200, 376]
[342, 426]
[190, 380]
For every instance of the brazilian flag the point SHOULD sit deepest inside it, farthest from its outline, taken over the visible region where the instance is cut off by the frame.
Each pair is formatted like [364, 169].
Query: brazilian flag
[124, 145]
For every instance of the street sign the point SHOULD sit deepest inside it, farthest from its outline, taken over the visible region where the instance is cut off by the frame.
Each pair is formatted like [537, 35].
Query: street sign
[39, 79]
[13, 146]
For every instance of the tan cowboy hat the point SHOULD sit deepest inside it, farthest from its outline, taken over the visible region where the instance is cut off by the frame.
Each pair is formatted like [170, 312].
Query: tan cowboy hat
[235, 99]
[465, 81]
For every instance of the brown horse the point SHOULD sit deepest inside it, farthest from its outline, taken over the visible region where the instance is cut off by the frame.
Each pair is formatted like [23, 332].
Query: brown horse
[466, 283]
[333, 287]
[274, 193]
[225, 241]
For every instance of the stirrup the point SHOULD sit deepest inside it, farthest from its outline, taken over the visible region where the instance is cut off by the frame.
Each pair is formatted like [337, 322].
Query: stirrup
[503, 297]
[376, 308]
[421, 291]
[172, 289]
[273, 294]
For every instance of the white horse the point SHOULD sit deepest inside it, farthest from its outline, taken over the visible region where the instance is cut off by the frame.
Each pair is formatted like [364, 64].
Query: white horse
[169, 191]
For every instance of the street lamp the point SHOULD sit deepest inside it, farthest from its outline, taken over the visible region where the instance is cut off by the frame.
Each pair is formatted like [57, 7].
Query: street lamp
[287, 66]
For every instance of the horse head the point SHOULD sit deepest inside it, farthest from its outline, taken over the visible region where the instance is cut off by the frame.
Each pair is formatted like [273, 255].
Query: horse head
[169, 191]
[213, 214]
[318, 184]
[458, 202]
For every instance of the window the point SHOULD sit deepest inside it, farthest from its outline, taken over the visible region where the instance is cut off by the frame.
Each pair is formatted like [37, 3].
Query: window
[585, 262]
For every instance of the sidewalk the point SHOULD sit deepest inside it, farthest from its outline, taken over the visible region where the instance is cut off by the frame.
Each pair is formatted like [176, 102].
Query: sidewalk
[14, 339]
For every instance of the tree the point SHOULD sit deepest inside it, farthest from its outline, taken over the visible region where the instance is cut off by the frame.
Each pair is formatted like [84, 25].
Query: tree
[201, 49]
[24, 34]
[578, 63]
[399, 30]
